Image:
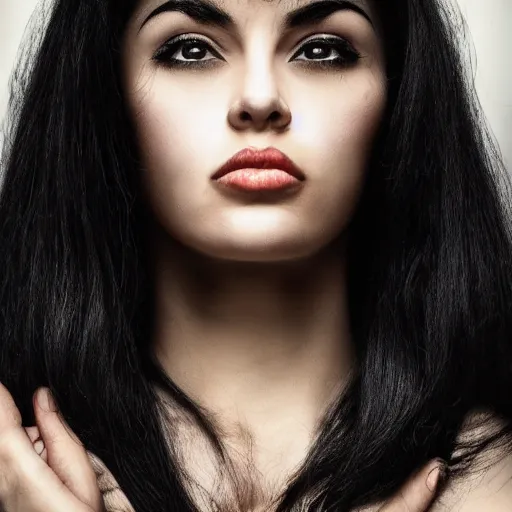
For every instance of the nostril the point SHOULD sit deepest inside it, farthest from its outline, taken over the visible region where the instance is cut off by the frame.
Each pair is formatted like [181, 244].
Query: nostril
[274, 116]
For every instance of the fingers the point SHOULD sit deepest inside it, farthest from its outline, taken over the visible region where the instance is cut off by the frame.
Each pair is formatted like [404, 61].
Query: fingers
[418, 492]
[32, 433]
[66, 455]
[107, 488]
[10, 419]
[113, 497]
[26, 482]
[37, 442]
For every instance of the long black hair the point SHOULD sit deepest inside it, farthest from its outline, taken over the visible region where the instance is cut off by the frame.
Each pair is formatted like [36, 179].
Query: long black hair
[430, 270]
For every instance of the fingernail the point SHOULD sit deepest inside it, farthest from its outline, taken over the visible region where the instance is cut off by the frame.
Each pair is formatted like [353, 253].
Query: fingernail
[45, 400]
[39, 446]
[434, 476]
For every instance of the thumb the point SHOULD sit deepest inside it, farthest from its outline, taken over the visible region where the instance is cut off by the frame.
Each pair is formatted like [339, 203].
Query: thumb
[66, 455]
[418, 493]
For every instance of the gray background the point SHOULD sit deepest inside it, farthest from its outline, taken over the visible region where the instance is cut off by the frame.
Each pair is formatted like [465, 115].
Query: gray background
[489, 23]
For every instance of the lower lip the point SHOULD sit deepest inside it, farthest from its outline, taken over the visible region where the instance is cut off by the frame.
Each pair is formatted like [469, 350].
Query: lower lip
[259, 179]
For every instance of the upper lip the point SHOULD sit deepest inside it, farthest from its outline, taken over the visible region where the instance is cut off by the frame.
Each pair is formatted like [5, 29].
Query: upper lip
[268, 158]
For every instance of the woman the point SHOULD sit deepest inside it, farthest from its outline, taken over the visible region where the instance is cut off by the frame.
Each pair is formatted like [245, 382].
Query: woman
[299, 340]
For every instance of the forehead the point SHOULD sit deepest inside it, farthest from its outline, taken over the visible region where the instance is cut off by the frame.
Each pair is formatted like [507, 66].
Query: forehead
[227, 13]
[146, 6]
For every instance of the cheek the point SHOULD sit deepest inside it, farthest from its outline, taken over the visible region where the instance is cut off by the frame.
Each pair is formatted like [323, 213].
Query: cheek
[179, 135]
[184, 135]
[338, 132]
[173, 127]
[343, 120]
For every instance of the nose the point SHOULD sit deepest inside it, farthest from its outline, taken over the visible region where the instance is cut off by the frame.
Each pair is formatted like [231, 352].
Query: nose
[259, 105]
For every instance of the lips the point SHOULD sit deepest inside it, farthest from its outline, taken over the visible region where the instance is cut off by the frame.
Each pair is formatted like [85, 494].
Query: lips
[259, 159]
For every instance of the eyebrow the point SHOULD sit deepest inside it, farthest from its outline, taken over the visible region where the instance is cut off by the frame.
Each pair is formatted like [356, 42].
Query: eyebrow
[207, 13]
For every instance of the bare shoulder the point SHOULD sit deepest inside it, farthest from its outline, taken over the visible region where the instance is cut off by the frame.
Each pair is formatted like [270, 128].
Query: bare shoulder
[489, 486]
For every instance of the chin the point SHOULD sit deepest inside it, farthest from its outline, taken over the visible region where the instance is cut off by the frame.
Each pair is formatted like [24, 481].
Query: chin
[265, 255]
[255, 238]
[261, 249]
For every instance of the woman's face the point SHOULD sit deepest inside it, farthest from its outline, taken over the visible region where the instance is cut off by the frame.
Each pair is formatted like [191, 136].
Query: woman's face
[312, 85]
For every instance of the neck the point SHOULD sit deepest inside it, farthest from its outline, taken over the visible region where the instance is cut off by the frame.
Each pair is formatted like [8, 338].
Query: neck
[253, 343]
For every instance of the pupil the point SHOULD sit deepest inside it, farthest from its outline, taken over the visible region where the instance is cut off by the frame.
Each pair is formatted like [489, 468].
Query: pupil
[194, 51]
[316, 51]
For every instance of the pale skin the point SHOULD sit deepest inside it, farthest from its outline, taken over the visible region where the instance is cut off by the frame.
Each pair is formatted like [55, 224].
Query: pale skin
[59, 475]
[251, 310]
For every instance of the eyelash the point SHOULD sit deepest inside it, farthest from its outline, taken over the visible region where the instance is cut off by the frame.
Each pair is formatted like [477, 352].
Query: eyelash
[348, 55]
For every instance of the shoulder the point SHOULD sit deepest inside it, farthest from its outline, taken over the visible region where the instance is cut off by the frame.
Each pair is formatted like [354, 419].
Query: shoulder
[488, 486]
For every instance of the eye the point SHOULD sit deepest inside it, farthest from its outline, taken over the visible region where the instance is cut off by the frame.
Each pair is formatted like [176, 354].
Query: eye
[186, 52]
[328, 52]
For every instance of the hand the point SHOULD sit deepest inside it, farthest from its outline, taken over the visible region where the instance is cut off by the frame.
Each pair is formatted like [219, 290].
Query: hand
[45, 468]
[417, 494]
[54, 474]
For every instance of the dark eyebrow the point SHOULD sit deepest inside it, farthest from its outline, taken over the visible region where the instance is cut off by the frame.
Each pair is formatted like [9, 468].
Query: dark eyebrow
[207, 13]
[316, 12]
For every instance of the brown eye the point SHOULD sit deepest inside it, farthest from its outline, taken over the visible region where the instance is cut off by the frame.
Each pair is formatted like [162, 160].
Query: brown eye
[186, 52]
[328, 52]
